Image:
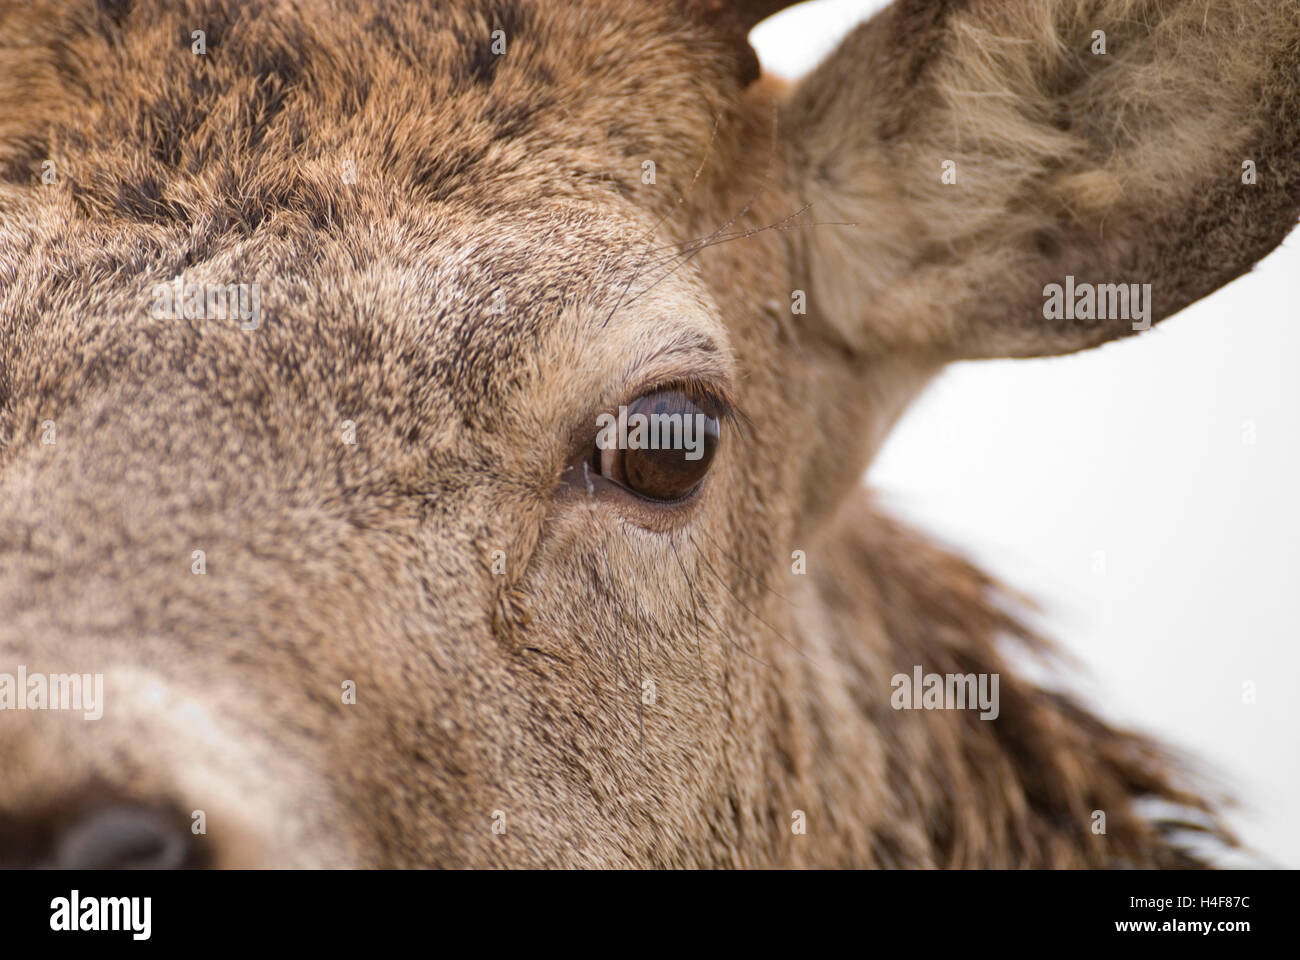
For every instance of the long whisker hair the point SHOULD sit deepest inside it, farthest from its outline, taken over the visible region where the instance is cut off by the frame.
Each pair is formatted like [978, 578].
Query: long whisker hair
[676, 255]
[663, 218]
[782, 637]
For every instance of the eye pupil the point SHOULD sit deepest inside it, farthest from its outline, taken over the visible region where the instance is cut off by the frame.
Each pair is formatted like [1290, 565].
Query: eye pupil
[670, 444]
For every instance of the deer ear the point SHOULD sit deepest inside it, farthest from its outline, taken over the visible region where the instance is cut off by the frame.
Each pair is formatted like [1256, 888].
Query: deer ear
[1036, 177]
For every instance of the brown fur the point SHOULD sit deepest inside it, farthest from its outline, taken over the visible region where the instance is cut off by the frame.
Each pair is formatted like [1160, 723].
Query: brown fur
[329, 562]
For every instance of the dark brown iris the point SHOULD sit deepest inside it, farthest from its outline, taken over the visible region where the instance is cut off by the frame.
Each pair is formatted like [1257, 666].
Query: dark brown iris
[666, 443]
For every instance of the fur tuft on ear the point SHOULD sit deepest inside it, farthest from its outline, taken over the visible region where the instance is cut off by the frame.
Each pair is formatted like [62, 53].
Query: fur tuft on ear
[1033, 177]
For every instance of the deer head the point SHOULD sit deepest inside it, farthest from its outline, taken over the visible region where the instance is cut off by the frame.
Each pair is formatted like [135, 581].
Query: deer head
[311, 315]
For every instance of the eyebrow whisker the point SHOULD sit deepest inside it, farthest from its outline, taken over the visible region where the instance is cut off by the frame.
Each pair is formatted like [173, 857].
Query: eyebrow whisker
[694, 247]
[654, 228]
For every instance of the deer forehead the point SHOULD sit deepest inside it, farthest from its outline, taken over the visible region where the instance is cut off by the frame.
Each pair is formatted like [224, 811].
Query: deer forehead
[371, 192]
[493, 103]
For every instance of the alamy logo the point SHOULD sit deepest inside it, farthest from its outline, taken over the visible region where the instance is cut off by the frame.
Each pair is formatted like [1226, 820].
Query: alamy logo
[652, 431]
[208, 301]
[1102, 301]
[946, 691]
[55, 691]
[73, 913]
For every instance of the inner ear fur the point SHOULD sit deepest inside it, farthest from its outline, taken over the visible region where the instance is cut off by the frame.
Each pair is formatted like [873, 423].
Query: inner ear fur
[1128, 166]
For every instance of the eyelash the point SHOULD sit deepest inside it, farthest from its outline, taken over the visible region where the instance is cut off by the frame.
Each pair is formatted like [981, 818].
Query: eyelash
[709, 397]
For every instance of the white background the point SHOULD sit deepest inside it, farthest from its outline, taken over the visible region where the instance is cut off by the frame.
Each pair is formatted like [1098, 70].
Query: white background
[1141, 451]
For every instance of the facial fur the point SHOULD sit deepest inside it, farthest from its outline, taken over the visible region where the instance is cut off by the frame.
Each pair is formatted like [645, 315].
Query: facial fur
[460, 264]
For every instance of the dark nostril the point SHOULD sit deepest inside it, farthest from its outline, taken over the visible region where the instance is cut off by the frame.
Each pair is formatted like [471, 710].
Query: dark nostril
[123, 838]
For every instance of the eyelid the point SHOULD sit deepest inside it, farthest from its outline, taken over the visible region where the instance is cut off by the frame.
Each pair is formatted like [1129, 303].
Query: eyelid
[713, 391]
[633, 508]
[692, 362]
[712, 397]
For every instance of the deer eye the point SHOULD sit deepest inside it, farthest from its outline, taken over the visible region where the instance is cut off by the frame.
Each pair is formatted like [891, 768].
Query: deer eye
[659, 446]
